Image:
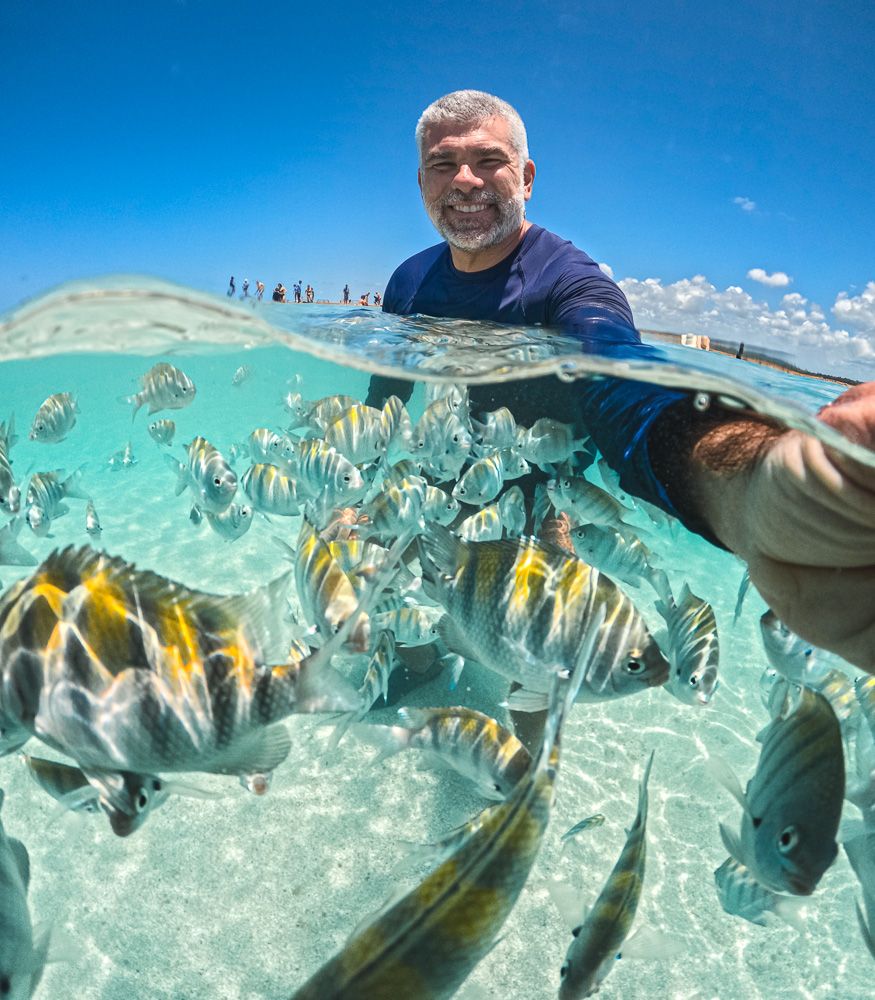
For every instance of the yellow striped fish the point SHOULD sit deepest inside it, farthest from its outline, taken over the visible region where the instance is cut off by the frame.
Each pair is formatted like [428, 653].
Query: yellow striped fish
[270, 490]
[596, 943]
[426, 944]
[518, 605]
[124, 670]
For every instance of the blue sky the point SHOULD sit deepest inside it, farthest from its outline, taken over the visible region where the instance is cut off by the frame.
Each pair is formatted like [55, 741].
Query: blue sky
[192, 140]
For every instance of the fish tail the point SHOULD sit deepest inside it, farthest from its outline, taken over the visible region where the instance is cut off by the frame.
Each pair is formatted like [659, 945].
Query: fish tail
[11, 552]
[73, 486]
[137, 401]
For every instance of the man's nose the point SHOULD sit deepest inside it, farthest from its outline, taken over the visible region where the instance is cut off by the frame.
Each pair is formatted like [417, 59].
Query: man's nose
[466, 180]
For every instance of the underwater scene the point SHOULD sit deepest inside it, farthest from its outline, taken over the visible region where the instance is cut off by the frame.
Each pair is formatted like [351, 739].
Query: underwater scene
[307, 698]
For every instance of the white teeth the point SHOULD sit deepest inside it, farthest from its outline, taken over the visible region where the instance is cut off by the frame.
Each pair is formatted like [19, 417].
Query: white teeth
[470, 208]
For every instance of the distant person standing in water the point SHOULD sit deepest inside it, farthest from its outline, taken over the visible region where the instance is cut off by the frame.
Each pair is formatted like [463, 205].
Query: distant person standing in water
[346, 295]
[801, 515]
[279, 293]
[232, 288]
[259, 290]
[245, 287]
[363, 301]
[297, 289]
[309, 293]
[378, 299]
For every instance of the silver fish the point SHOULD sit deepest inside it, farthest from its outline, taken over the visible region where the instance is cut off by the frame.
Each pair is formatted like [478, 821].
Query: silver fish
[207, 474]
[861, 853]
[585, 824]
[742, 896]
[92, 522]
[123, 459]
[586, 502]
[599, 939]
[473, 744]
[484, 526]
[512, 506]
[439, 506]
[324, 472]
[358, 434]
[620, 554]
[47, 491]
[55, 418]
[793, 656]
[22, 955]
[163, 387]
[793, 803]
[270, 491]
[495, 430]
[10, 493]
[241, 375]
[162, 431]
[232, 523]
[693, 647]
[11, 552]
[516, 605]
[546, 442]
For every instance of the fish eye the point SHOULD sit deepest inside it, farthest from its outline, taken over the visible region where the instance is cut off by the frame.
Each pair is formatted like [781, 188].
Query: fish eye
[347, 478]
[142, 801]
[634, 665]
[694, 681]
[788, 839]
[217, 481]
[461, 490]
[157, 784]
[563, 972]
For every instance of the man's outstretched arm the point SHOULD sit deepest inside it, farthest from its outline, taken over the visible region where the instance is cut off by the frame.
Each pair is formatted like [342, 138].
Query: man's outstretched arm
[800, 515]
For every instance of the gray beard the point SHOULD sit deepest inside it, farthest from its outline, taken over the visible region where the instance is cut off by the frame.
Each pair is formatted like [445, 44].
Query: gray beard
[511, 213]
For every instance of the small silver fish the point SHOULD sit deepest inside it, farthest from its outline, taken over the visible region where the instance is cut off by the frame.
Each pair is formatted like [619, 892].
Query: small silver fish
[243, 374]
[599, 938]
[92, 522]
[590, 823]
[793, 656]
[693, 647]
[55, 418]
[123, 459]
[164, 387]
[270, 491]
[162, 431]
[207, 474]
[861, 853]
[232, 523]
[742, 896]
[620, 554]
[546, 442]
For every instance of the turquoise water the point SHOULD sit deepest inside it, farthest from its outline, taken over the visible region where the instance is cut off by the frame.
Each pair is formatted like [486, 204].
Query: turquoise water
[245, 896]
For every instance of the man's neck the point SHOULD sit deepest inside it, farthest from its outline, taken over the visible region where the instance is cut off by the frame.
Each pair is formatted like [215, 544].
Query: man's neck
[480, 260]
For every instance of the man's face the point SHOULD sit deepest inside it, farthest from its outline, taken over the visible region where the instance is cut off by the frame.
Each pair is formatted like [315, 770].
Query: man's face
[473, 185]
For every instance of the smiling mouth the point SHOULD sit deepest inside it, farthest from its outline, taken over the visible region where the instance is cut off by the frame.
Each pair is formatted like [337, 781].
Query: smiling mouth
[469, 209]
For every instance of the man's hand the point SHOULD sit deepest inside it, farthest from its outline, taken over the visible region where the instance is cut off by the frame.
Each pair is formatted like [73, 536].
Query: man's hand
[803, 518]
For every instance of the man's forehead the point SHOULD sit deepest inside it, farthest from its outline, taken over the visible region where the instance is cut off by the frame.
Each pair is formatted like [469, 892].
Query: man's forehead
[448, 135]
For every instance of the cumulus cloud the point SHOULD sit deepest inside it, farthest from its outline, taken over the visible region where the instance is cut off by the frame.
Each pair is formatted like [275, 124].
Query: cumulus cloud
[858, 310]
[745, 204]
[797, 326]
[609, 271]
[776, 280]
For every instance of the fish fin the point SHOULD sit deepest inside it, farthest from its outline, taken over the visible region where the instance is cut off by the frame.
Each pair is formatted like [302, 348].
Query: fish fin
[11, 552]
[568, 901]
[722, 773]
[790, 909]
[456, 664]
[733, 845]
[73, 486]
[187, 791]
[865, 930]
[389, 740]
[72, 801]
[181, 471]
[522, 700]
[649, 943]
[660, 583]
[340, 730]
[22, 861]
[260, 751]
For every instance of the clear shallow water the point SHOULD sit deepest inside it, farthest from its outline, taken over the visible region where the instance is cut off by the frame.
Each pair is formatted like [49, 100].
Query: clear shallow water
[246, 896]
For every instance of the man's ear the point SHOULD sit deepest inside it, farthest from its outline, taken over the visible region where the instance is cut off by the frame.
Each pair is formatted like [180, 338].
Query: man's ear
[528, 178]
[419, 179]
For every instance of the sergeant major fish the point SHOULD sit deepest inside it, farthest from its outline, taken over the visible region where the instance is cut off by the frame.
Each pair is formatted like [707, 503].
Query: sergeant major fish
[426, 944]
[519, 605]
[232, 523]
[92, 521]
[55, 418]
[793, 803]
[598, 940]
[124, 670]
[270, 491]
[163, 387]
[207, 474]
[693, 647]
[742, 896]
[162, 431]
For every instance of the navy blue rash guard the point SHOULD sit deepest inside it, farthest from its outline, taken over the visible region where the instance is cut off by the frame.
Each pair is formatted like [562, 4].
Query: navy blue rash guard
[547, 280]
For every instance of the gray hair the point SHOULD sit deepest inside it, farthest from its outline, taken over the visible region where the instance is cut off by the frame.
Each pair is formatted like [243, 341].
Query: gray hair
[470, 107]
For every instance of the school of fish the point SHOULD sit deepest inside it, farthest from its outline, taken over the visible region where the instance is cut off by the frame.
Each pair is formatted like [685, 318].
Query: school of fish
[463, 538]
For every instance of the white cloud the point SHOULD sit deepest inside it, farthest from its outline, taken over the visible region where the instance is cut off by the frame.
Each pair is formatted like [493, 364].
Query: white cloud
[776, 280]
[857, 310]
[797, 326]
[745, 204]
[609, 271]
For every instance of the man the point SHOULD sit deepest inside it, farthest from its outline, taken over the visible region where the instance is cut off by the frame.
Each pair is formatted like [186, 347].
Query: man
[801, 516]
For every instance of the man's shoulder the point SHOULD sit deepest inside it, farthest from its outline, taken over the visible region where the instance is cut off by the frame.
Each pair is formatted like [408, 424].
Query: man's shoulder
[408, 277]
[552, 249]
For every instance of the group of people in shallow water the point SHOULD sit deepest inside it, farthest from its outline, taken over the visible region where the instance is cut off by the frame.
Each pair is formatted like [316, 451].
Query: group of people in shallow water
[299, 294]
